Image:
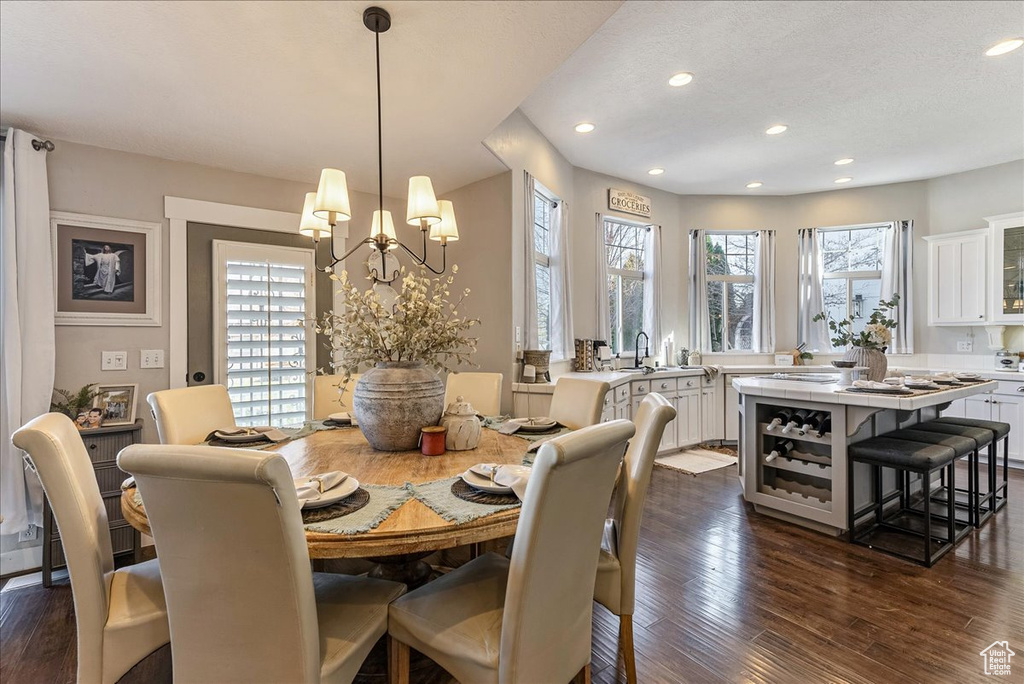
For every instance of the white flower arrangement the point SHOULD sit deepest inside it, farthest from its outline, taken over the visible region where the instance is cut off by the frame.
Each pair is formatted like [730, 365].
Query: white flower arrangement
[422, 325]
[877, 333]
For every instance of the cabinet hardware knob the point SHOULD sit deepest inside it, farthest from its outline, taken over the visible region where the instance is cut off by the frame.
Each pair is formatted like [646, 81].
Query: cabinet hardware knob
[92, 446]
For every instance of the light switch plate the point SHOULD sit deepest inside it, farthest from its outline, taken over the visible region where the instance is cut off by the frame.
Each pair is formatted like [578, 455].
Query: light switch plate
[114, 360]
[964, 346]
[151, 358]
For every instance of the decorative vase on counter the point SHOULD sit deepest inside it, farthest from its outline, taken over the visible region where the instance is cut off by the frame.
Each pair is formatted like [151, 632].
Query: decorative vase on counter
[394, 401]
[873, 359]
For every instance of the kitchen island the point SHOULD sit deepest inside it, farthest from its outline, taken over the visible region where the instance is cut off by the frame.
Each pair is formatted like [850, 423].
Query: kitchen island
[794, 436]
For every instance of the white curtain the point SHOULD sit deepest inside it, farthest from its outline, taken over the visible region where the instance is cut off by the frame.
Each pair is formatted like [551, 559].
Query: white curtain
[764, 292]
[604, 316]
[530, 279]
[700, 320]
[652, 288]
[897, 255]
[562, 342]
[813, 333]
[27, 354]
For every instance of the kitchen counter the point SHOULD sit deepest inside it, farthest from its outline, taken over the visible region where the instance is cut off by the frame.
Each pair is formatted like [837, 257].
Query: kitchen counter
[833, 393]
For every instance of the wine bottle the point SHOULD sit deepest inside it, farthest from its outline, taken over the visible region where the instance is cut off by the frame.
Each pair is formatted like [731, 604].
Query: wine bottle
[780, 417]
[796, 420]
[782, 447]
[813, 421]
[826, 425]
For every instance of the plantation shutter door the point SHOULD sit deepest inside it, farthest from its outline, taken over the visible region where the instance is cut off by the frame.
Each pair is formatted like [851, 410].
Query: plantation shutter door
[262, 345]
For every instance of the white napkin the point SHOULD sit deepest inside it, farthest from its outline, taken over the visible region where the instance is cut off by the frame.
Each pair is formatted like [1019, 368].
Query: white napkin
[871, 384]
[516, 477]
[313, 487]
[271, 434]
[945, 377]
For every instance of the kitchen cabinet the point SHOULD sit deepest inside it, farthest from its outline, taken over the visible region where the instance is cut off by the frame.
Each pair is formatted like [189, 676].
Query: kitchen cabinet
[958, 265]
[1007, 290]
[1004, 404]
[688, 417]
[710, 413]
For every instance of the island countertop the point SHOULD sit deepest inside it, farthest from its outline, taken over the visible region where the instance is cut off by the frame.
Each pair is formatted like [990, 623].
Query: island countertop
[833, 393]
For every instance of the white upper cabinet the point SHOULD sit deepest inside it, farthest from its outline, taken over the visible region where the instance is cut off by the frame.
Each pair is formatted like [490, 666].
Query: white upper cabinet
[958, 278]
[1007, 291]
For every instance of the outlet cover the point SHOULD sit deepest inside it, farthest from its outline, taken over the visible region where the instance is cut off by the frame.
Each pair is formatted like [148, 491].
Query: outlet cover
[151, 358]
[114, 360]
[964, 346]
[31, 534]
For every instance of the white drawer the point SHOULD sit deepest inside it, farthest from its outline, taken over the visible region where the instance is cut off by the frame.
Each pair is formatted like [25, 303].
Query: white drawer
[664, 386]
[621, 394]
[609, 398]
[706, 381]
[1009, 387]
[689, 383]
[640, 388]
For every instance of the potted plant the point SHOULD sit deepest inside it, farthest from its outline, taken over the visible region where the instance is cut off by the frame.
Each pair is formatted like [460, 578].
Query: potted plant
[407, 341]
[866, 347]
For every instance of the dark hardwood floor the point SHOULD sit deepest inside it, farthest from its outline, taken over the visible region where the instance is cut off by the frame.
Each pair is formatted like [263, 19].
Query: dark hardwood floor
[724, 595]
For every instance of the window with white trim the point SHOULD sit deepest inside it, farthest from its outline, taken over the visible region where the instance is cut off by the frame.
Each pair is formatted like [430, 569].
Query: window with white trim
[624, 244]
[730, 280]
[543, 246]
[851, 283]
[261, 343]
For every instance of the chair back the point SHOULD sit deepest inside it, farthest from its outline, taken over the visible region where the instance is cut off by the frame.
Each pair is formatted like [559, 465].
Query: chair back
[234, 561]
[60, 458]
[654, 414]
[327, 398]
[482, 390]
[578, 403]
[549, 599]
[188, 414]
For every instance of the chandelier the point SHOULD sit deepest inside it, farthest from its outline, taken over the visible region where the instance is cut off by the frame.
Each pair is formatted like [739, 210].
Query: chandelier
[329, 205]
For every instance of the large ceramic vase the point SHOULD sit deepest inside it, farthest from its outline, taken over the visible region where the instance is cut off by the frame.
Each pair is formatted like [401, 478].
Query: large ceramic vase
[874, 359]
[394, 400]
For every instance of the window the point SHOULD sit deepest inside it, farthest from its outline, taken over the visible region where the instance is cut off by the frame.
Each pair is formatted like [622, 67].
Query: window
[260, 341]
[851, 284]
[624, 251]
[730, 279]
[543, 244]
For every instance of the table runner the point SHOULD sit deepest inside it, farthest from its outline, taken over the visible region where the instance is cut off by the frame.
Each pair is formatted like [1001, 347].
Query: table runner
[438, 497]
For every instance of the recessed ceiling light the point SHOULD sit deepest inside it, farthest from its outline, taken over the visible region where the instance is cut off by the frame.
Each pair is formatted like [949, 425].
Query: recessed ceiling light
[754, 184]
[776, 129]
[844, 179]
[1004, 47]
[655, 172]
[585, 127]
[844, 161]
[680, 79]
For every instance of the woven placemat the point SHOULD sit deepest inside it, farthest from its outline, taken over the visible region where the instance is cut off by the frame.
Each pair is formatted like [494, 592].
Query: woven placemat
[467, 493]
[349, 504]
[240, 445]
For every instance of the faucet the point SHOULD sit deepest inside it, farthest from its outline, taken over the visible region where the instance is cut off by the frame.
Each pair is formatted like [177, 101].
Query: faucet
[647, 349]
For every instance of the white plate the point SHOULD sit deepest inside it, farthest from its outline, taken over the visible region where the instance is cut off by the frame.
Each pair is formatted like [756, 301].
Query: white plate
[331, 496]
[542, 424]
[484, 484]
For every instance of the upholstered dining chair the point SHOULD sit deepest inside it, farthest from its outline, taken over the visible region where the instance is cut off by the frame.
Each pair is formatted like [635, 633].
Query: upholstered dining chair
[242, 602]
[578, 403]
[326, 399]
[189, 414]
[616, 569]
[481, 390]
[525, 619]
[120, 614]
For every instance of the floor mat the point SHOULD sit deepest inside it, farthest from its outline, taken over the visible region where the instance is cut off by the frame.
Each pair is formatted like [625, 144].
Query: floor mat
[696, 461]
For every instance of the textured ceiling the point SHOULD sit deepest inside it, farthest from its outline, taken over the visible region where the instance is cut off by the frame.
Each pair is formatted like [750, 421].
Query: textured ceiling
[902, 87]
[282, 89]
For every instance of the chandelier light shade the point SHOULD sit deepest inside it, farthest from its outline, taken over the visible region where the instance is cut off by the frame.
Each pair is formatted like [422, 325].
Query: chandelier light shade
[385, 233]
[422, 203]
[310, 225]
[447, 230]
[332, 197]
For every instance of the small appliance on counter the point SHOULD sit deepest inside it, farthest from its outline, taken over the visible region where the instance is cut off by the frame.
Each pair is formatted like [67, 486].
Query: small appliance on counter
[1006, 361]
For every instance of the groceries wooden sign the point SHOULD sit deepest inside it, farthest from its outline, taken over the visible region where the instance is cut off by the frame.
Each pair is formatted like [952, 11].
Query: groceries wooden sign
[629, 202]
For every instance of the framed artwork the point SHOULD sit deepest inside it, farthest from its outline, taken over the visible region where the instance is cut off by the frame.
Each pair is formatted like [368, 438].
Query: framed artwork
[116, 404]
[106, 271]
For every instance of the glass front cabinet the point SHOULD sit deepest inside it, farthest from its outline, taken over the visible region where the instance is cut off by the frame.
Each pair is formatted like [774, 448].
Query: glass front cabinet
[1008, 283]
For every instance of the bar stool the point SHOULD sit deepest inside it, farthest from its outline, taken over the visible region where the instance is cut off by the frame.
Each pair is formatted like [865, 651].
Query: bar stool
[961, 445]
[905, 457]
[983, 503]
[1000, 431]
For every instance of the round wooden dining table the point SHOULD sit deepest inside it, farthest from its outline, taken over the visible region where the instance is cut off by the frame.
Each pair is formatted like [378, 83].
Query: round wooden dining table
[411, 532]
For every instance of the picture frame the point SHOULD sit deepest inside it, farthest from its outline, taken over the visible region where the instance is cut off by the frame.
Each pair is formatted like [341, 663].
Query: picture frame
[106, 271]
[117, 403]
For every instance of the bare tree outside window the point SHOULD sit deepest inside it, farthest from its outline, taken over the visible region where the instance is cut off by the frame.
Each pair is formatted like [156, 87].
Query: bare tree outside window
[852, 272]
[730, 278]
[543, 207]
[624, 249]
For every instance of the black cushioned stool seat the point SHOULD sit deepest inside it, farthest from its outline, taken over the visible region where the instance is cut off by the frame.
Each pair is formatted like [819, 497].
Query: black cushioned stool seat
[962, 446]
[996, 496]
[888, 530]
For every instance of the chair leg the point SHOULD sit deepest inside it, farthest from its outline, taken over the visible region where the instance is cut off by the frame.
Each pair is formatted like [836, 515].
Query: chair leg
[583, 676]
[626, 640]
[398, 661]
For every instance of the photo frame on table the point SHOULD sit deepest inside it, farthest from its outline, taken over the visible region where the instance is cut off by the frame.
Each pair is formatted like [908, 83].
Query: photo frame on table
[106, 271]
[117, 402]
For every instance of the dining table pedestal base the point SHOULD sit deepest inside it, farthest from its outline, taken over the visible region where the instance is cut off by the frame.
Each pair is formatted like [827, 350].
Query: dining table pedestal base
[408, 568]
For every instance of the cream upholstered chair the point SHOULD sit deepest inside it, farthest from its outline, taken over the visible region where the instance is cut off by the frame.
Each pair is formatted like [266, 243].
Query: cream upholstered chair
[242, 602]
[120, 614]
[481, 390]
[526, 619]
[326, 399]
[616, 569]
[578, 403]
[189, 414]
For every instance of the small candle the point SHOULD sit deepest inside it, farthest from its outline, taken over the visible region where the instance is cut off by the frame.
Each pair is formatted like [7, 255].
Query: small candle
[432, 440]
